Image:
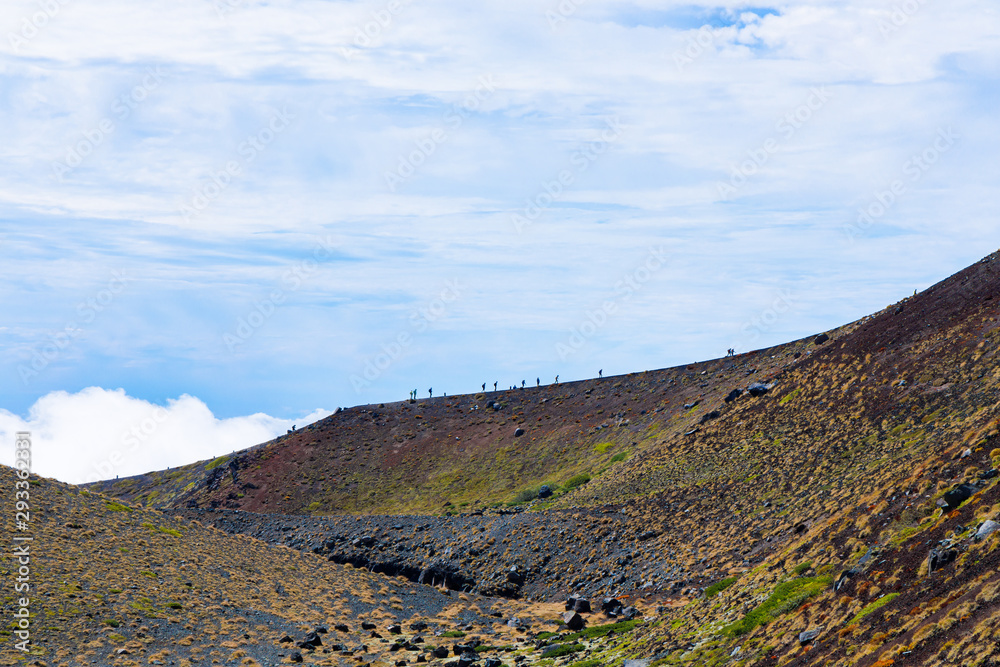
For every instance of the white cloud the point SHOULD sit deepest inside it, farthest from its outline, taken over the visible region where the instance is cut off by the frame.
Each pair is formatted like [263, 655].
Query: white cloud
[99, 433]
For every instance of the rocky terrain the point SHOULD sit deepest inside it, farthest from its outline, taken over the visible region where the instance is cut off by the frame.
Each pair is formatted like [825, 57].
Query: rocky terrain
[831, 501]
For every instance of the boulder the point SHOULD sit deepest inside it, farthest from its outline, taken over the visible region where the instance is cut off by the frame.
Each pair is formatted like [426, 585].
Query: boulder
[341, 628]
[573, 620]
[987, 529]
[295, 657]
[989, 474]
[628, 613]
[395, 630]
[733, 395]
[440, 652]
[311, 641]
[938, 558]
[492, 662]
[808, 636]
[365, 625]
[611, 606]
[578, 604]
[419, 626]
[518, 432]
[958, 495]
[545, 491]
[759, 389]
[820, 339]
[468, 659]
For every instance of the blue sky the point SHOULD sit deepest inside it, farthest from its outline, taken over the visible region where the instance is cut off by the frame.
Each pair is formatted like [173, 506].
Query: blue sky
[219, 218]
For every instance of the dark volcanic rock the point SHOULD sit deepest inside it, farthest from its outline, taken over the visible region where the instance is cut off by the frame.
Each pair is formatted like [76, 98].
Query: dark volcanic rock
[959, 495]
[573, 620]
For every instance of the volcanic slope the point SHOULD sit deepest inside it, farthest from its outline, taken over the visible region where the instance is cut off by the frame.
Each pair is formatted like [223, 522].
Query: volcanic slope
[852, 500]
[116, 584]
[463, 453]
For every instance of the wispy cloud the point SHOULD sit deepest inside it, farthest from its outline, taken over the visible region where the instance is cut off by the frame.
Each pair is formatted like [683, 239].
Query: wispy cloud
[127, 129]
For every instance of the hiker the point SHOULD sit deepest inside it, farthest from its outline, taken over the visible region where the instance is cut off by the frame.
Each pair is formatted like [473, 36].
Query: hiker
[494, 386]
[430, 393]
[557, 379]
[600, 373]
[484, 386]
[522, 384]
[538, 382]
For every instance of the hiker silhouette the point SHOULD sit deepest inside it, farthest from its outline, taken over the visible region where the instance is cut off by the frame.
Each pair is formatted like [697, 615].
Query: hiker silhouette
[522, 384]
[600, 373]
[557, 379]
[484, 386]
[494, 386]
[430, 393]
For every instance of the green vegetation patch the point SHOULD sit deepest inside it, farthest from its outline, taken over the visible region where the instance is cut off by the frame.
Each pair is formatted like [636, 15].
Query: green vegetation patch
[802, 568]
[619, 457]
[453, 633]
[719, 586]
[577, 480]
[604, 630]
[789, 397]
[874, 606]
[787, 595]
[603, 446]
[588, 663]
[117, 507]
[563, 649]
[217, 462]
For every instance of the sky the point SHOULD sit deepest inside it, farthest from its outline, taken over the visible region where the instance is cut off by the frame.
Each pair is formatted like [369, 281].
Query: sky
[222, 218]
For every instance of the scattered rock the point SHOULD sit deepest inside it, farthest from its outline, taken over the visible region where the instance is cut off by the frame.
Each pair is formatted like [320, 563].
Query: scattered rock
[295, 657]
[311, 641]
[573, 620]
[759, 388]
[578, 604]
[395, 630]
[545, 491]
[989, 474]
[958, 495]
[820, 339]
[518, 432]
[987, 529]
[733, 395]
[611, 606]
[808, 636]
[938, 558]
[707, 417]
[648, 535]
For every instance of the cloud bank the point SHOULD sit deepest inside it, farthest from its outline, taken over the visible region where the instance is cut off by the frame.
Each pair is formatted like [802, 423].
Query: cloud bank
[101, 434]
